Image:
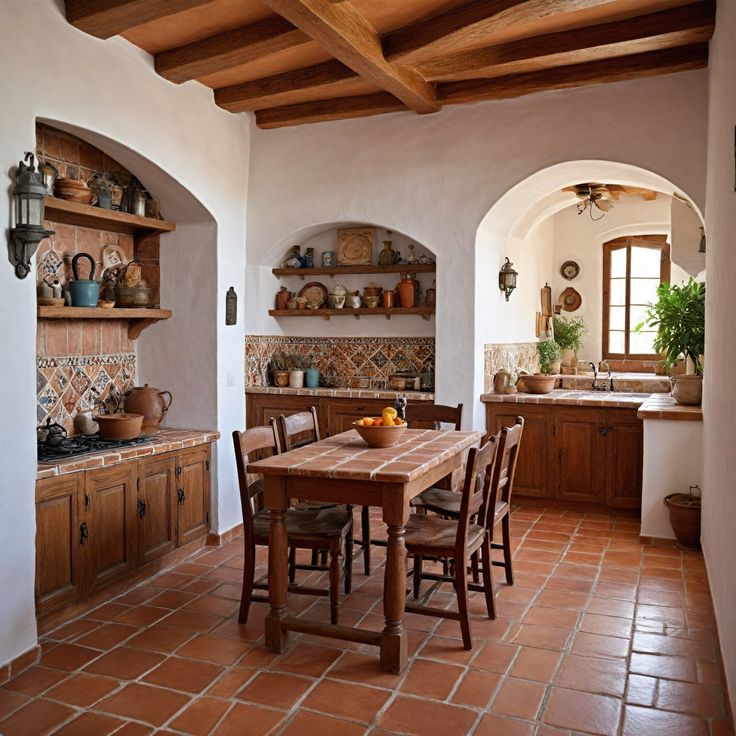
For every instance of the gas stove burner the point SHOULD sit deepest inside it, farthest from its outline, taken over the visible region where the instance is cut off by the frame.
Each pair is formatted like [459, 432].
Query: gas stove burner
[83, 445]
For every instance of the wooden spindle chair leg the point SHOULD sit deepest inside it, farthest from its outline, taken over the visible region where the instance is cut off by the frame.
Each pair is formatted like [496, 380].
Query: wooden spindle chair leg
[475, 567]
[486, 566]
[461, 589]
[365, 523]
[249, 567]
[417, 575]
[349, 562]
[335, 566]
[506, 533]
[292, 564]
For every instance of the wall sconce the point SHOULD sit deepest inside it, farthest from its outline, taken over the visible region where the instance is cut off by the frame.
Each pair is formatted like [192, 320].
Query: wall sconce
[28, 197]
[507, 278]
[701, 246]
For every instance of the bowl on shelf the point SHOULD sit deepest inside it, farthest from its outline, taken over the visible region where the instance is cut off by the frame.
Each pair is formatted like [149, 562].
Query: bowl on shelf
[132, 296]
[122, 426]
[539, 383]
[371, 301]
[381, 436]
[73, 190]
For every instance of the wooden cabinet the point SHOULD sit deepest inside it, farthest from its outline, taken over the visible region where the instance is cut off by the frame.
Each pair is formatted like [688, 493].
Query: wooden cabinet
[575, 453]
[341, 413]
[192, 494]
[155, 507]
[259, 408]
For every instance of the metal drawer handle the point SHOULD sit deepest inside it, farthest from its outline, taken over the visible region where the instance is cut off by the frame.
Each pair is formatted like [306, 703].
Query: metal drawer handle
[83, 533]
[180, 496]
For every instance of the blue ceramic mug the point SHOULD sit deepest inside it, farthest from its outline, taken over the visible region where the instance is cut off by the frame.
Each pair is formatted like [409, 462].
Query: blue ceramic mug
[312, 378]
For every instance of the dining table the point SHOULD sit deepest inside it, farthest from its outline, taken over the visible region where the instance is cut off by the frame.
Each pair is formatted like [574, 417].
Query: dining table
[343, 469]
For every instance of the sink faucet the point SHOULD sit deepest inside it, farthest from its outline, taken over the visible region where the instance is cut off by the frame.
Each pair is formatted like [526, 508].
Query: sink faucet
[595, 384]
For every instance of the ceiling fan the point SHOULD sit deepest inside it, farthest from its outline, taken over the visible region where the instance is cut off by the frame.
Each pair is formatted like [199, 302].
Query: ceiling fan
[592, 197]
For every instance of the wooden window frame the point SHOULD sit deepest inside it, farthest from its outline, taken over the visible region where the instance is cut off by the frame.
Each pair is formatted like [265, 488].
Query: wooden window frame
[627, 360]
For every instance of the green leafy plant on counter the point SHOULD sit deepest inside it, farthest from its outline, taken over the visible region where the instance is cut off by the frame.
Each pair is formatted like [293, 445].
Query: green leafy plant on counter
[278, 362]
[679, 318]
[548, 352]
[569, 332]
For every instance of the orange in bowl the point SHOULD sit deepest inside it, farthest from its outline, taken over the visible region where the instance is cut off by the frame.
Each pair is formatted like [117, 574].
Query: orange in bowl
[380, 435]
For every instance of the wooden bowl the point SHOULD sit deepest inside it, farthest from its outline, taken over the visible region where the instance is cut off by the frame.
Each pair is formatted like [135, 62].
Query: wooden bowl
[119, 426]
[380, 436]
[539, 383]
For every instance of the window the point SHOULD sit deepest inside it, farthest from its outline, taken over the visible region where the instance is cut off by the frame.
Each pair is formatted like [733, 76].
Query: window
[633, 268]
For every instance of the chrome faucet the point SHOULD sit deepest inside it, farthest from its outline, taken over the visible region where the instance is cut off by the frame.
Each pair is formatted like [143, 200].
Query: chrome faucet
[595, 384]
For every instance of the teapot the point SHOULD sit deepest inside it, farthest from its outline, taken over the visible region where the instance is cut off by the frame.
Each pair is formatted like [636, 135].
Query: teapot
[85, 292]
[151, 403]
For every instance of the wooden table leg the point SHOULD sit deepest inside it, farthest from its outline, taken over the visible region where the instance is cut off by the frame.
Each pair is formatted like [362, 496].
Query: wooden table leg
[278, 551]
[393, 636]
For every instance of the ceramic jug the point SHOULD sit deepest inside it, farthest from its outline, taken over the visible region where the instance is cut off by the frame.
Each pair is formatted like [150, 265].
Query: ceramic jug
[151, 403]
[407, 289]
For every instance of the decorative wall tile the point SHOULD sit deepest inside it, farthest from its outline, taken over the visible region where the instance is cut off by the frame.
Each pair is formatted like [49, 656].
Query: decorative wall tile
[513, 357]
[348, 362]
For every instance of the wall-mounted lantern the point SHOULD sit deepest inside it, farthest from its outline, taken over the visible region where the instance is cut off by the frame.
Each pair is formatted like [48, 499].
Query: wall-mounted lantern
[701, 245]
[28, 198]
[507, 278]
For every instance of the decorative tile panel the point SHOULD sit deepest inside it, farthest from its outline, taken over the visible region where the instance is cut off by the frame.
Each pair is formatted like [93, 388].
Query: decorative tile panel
[513, 357]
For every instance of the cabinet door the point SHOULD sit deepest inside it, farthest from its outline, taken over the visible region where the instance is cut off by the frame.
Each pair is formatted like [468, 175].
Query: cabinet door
[58, 580]
[626, 458]
[341, 413]
[533, 477]
[581, 454]
[155, 507]
[110, 551]
[261, 407]
[193, 494]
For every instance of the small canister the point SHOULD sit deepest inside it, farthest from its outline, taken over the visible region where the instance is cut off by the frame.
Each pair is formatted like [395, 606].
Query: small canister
[328, 259]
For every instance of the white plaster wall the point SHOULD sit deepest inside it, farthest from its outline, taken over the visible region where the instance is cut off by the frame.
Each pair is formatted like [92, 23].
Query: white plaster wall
[673, 461]
[719, 490]
[110, 87]
[436, 176]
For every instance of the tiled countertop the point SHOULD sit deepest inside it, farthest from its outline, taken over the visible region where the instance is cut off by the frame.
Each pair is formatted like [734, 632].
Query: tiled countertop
[342, 393]
[663, 406]
[617, 399]
[625, 382]
[166, 440]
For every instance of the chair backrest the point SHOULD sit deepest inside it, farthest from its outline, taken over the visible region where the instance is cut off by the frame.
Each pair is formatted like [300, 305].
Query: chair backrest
[251, 488]
[430, 416]
[298, 429]
[476, 490]
[502, 483]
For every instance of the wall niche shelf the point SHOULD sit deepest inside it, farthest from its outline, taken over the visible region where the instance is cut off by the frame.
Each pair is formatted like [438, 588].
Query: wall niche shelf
[338, 270]
[424, 312]
[85, 215]
[138, 319]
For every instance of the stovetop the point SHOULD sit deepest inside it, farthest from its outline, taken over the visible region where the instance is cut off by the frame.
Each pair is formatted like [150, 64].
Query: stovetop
[83, 445]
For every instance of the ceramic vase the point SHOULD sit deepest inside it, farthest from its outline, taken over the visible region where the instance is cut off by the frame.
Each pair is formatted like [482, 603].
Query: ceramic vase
[296, 379]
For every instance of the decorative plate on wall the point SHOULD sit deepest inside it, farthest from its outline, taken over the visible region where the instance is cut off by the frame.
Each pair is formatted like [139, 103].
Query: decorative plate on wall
[570, 270]
[570, 300]
[315, 294]
[355, 246]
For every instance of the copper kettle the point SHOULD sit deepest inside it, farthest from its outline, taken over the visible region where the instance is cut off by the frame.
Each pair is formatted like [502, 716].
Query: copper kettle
[151, 402]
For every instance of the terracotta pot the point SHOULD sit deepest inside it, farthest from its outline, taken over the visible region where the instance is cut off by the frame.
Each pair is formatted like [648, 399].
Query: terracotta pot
[407, 289]
[536, 384]
[150, 402]
[119, 426]
[569, 357]
[687, 390]
[282, 298]
[281, 378]
[685, 519]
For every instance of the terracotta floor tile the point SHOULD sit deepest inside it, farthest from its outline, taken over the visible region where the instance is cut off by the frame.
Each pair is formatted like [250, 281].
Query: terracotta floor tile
[361, 668]
[275, 689]
[213, 606]
[561, 599]
[594, 623]
[641, 690]
[601, 676]
[124, 663]
[35, 680]
[494, 725]
[518, 698]
[314, 724]
[610, 607]
[69, 657]
[141, 615]
[346, 700]
[476, 688]
[249, 719]
[191, 621]
[649, 722]
[172, 599]
[38, 717]
[595, 714]
[83, 690]
[660, 665]
[597, 645]
[188, 675]
[655, 644]
[153, 705]
[495, 657]
[230, 682]
[431, 679]
[536, 664]
[135, 729]
[685, 697]
[73, 629]
[90, 724]
[544, 637]
[107, 636]
[307, 659]
[107, 611]
[214, 649]
[9, 702]
[159, 638]
[541, 615]
[171, 580]
[200, 717]
[420, 717]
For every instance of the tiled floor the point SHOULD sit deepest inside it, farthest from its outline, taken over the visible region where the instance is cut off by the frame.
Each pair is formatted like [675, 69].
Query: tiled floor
[600, 635]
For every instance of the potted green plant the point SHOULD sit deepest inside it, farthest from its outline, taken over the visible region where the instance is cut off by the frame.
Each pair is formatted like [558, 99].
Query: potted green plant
[279, 367]
[568, 333]
[684, 511]
[679, 318]
[550, 355]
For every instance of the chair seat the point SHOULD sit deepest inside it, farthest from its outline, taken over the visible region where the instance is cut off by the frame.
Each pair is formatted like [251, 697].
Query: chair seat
[447, 503]
[307, 524]
[430, 535]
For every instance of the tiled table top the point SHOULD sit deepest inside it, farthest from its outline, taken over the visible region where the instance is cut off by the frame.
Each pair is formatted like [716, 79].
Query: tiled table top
[346, 456]
[342, 393]
[663, 406]
[166, 440]
[565, 397]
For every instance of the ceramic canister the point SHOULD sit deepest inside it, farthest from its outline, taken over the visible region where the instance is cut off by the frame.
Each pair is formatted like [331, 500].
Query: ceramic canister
[312, 378]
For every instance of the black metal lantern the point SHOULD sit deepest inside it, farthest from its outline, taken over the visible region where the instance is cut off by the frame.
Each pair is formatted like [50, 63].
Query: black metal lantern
[507, 278]
[28, 204]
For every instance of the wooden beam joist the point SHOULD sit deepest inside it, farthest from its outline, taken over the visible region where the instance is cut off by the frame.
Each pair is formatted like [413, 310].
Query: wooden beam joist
[652, 63]
[107, 18]
[275, 90]
[228, 49]
[680, 26]
[321, 111]
[345, 34]
[470, 24]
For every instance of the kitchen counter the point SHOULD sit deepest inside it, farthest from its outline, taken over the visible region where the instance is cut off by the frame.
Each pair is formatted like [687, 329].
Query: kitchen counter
[342, 393]
[166, 440]
[663, 406]
[616, 399]
[623, 382]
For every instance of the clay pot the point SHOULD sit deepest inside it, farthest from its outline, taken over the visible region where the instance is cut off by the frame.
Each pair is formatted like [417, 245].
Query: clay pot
[687, 390]
[407, 289]
[539, 383]
[685, 519]
[119, 426]
[281, 378]
[150, 402]
[569, 357]
[282, 298]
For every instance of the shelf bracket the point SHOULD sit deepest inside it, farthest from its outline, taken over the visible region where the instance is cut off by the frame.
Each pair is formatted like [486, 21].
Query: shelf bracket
[136, 327]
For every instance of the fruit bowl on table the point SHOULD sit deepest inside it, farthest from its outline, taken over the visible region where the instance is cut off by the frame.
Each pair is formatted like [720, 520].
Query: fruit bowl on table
[380, 435]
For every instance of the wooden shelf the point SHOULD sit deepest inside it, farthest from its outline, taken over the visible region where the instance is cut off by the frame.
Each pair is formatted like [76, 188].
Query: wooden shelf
[138, 319]
[424, 312]
[375, 270]
[84, 215]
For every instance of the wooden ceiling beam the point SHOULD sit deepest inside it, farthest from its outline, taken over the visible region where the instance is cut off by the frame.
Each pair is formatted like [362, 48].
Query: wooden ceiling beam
[228, 49]
[275, 90]
[345, 34]
[652, 63]
[107, 18]
[468, 24]
[680, 26]
[321, 111]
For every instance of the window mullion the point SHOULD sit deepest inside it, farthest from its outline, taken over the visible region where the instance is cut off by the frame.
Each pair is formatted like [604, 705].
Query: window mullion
[627, 347]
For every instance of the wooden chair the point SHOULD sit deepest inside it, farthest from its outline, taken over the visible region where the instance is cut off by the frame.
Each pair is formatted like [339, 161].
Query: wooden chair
[457, 539]
[418, 416]
[315, 529]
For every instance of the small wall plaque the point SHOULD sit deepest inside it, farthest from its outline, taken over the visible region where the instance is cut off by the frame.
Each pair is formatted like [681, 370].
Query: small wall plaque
[231, 307]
